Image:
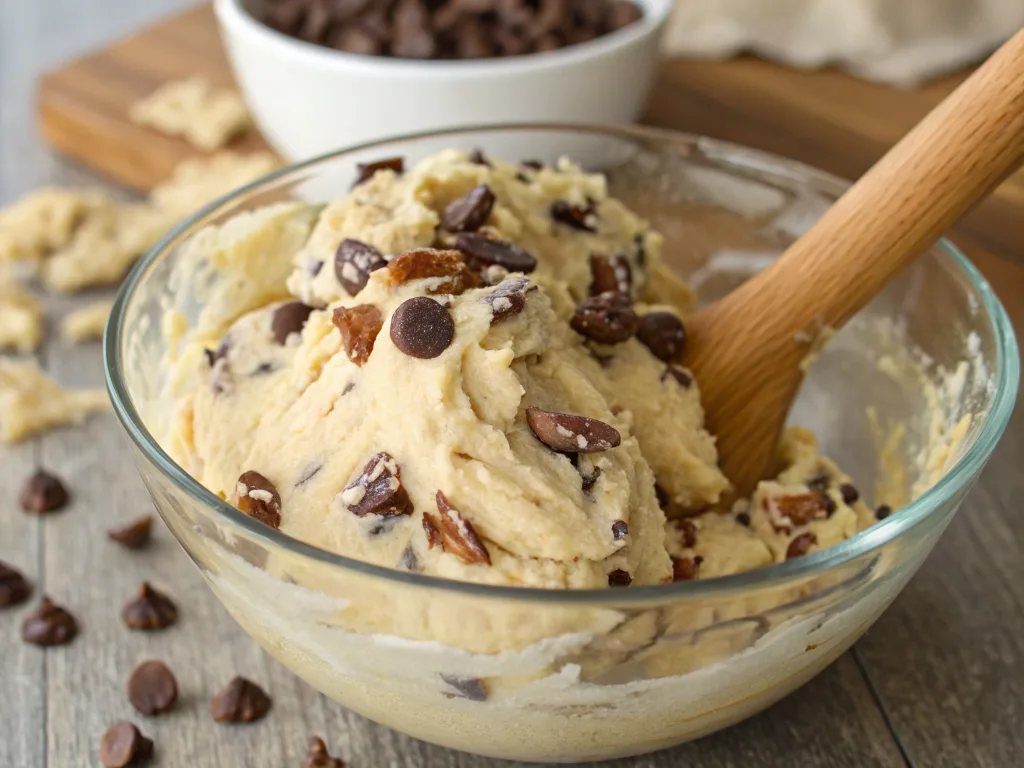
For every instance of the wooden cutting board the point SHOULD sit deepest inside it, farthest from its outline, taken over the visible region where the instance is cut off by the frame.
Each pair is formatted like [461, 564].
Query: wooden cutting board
[826, 119]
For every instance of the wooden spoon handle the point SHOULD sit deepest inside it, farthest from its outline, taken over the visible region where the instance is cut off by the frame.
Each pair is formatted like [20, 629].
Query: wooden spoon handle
[747, 348]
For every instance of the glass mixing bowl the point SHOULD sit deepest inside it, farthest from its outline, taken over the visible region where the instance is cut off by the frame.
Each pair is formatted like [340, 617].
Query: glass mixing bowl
[910, 398]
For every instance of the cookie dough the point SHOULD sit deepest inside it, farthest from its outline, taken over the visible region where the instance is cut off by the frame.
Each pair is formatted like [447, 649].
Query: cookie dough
[206, 117]
[32, 402]
[475, 376]
[21, 317]
[86, 323]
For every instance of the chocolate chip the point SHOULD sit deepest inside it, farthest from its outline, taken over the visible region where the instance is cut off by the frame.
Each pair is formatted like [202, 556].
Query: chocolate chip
[533, 165]
[619, 578]
[258, 498]
[422, 328]
[469, 212]
[662, 496]
[359, 327]
[242, 701]
[367, 171]
[681, 377]
[318, 757]
[42, 493]
[508, 298]
[588, 472]
[124, 745]
[575, 216]
[663, 334]
[471, 688]
[409, 560]
[477, 157]
[149, 610]
[357, 40]
[849, 493]
[135, 535]
[611, 274]
[685, 568]
[483, 252]
[689, 531]
[801, 545]
[743, 519]
[620, 530]
[49, 625]
[288, 319]
[152, 689]
[830, 505]
[263, 369]
[353, 263]
[378, 490]
[883, 512]
[14, 587]
[607, 319]
[569, 433]
[425, 263]
[454, 533]
[820, 483]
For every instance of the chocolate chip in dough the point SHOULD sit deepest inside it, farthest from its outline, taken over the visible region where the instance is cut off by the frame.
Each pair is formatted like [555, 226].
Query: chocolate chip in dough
[483, 251]
[849, 493]
[621, 13]
[319, 757]
[679, 375]
[242, 701]
[14, 587]
[149, 610]
[288, 319]
[123, 745]
[152, 689]
[533, 165]
[569, 433]
[663, 334]
[378, 490]
[583, 218]
[354, 261]
[471, 688]
[43, 492]
[49, 625]
[743, 519]
[454, 534]
[259, 499]
[359, 327]
[135, 535]
[422, 328]
[353, 39]
[469, 212]
[608, 318]
[883, 512]
[477, 157]
[662, 496]
[508, 298]
[367, 171]
[610, 274]
[801, 545]
[619, 578]
[820, 483]
[620, 530]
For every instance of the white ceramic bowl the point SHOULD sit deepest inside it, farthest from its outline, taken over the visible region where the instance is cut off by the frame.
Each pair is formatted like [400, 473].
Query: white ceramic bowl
[308, 99]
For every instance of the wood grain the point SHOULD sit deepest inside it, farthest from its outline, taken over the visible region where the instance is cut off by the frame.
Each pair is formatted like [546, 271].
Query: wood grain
[944, 663]
[748, 349]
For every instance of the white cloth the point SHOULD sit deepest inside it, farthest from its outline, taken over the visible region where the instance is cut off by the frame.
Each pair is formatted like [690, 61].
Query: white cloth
[901, 42]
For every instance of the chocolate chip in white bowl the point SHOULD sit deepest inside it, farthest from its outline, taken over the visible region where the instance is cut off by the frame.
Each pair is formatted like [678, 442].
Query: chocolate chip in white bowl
[569, 433]
[422, 328]
[354, 261]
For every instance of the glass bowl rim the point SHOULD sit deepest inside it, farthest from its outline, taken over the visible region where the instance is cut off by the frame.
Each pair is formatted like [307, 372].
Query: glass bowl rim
[736, 155]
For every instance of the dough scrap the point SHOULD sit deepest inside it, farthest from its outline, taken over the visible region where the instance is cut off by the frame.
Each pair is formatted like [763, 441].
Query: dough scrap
[21, 317]
[199, 181]
[87, 322]
[31, 402]
[206, 117]
[44, 220]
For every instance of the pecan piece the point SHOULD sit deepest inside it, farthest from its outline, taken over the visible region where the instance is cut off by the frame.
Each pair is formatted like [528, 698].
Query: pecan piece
[259, 499]
[454, 534]
[378, 490]
[359, 327]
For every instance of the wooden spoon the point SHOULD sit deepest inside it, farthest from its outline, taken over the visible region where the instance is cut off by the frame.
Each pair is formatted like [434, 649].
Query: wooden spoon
[746, 349]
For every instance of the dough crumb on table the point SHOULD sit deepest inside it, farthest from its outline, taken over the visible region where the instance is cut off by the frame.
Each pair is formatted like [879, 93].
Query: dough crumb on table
[476, 375]
[86, 323]
[21, 317]
[32, 402]
[199, 181]
[205, 116]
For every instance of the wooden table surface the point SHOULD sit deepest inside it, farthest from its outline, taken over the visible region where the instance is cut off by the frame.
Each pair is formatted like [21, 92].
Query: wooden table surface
[937, 682]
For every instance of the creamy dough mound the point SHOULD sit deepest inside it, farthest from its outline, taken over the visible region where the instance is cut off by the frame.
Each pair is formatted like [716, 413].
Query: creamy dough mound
[478, 380]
